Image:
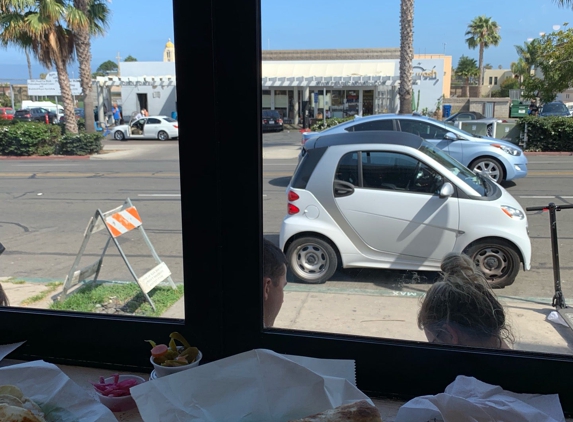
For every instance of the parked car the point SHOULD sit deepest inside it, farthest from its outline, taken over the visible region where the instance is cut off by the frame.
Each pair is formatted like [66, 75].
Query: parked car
[152, 127]
[554, 108]
[500, 160]
[272, 121]
[36, 114]
[388, 199]
[6, 113]
[465, 116]
[79, 113]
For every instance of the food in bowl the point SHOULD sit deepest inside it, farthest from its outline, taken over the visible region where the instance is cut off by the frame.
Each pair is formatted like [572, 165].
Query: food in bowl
[15, 406]
[173, 355]
[113, 392]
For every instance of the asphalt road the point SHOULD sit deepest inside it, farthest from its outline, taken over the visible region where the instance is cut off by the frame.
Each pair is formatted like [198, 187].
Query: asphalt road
[550, 179]
[46, 205]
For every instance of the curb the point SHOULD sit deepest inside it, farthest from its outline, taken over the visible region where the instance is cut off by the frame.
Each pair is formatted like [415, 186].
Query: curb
[46, 157]
[564, 153]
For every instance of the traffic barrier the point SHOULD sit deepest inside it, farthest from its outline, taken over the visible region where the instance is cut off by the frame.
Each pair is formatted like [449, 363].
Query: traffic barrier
[116, 222]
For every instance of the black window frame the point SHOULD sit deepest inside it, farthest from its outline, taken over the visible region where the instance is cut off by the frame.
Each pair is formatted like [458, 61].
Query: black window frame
[223, 304]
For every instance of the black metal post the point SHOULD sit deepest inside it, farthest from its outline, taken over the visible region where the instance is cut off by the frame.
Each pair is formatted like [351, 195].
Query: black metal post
[558, 298]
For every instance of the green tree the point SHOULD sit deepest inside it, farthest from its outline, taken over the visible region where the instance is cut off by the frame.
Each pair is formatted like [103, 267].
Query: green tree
[505, 86]
[91, 18]
[406, 55]
[519, 70]
[108, 66]
[530, 53]
[130, 59]
[43, 27]
[467, 69]
[555, 64]
[482, 33]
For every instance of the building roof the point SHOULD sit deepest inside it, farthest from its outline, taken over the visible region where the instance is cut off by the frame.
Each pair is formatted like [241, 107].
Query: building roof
[332, 54]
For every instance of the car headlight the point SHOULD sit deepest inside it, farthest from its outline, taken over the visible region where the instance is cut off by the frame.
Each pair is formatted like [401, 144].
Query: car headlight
[513, 212]
[508, 150]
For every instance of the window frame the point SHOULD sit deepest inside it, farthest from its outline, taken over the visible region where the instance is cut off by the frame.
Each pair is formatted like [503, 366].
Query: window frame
[223, 300]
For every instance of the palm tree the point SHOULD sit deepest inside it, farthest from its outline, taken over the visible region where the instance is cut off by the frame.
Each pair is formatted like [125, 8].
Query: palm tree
[482, 32]
[564, 3]
[530, 53]
[406, 55]
[91, 21]
[42, 26]
[467, 69]
[519, 69]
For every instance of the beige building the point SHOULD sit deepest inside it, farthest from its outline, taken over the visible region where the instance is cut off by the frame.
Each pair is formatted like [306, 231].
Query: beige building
[492, 79]
[169, 52]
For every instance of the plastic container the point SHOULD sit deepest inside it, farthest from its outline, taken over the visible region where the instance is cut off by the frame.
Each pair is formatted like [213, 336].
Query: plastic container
[119, 404]
[161, 371]
[447, 110]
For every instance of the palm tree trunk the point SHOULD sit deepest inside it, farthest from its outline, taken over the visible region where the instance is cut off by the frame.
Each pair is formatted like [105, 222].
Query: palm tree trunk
[467, 88]
[406, 55]
[83, 50]
[29, 64]
[67, 98]
[481, 48]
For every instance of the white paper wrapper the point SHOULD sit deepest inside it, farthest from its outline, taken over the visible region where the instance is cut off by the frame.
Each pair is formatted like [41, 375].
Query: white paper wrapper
[61, 399]
[259, 385]
[468, 399]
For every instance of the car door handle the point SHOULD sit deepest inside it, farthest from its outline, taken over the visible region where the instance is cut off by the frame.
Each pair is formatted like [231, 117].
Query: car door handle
[342, 188]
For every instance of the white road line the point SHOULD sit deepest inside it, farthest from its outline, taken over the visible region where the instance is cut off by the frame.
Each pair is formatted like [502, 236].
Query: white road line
[538, 197]
[159, 194]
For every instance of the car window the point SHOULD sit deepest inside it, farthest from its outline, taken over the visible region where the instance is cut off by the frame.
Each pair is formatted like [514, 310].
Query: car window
[347, 169]
[465, 116]
[554, 108]
[382, 124]
[170, 120]
[152, 121]
[423, 129]
[396, 171]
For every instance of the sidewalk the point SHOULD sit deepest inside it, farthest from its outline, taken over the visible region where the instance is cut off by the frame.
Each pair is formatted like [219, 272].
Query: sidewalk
[369, 313]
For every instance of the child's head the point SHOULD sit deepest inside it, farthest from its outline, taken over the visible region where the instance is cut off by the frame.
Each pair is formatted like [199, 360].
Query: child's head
[461, 308]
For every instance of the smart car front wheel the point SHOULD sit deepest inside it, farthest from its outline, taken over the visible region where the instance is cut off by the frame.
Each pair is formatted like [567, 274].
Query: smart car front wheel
[311, 260]
[496, 259]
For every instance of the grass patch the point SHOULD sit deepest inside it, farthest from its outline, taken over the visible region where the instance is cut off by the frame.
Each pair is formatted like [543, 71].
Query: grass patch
[126, 297]
[40, 296]
[15, 281]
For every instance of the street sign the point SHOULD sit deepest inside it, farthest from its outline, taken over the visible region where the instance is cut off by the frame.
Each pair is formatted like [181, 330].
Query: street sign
[51, 86]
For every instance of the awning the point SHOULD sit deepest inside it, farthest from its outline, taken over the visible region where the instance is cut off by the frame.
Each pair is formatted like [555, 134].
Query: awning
[167, 80]
[334, 81]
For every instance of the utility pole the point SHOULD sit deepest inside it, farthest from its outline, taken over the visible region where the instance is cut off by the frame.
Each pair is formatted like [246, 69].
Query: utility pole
[118, 57]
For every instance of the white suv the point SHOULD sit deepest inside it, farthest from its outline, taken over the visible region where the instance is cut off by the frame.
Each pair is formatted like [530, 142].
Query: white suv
[388, 199]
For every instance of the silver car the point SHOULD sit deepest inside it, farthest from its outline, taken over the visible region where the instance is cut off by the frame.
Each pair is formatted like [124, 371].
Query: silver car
[388, 199]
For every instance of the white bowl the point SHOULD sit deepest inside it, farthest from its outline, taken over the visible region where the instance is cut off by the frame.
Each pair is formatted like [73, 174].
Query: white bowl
[161, 371]
[119, 404]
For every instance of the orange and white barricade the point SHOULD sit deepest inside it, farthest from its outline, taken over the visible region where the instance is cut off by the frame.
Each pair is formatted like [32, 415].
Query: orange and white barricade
[117, 222]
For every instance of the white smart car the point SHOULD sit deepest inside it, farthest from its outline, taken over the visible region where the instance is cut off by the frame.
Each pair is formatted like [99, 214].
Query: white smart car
[152, 127]
[389, 199]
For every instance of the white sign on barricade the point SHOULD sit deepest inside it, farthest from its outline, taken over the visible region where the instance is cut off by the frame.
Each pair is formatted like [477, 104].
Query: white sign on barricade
[116, 222]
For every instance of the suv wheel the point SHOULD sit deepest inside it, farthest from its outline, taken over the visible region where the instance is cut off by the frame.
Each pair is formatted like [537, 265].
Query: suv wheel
[311, 260]
[490, 167]
[497, 260]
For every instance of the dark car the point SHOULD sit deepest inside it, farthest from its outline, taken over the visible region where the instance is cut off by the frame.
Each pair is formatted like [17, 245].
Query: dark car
[36, 114]
[272, 121]
[554, 108]
[6, 113]
[79, 112]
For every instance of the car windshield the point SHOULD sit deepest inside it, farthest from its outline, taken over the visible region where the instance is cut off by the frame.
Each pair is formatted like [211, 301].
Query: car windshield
[7, 111]
[462, 172]
[554, 108]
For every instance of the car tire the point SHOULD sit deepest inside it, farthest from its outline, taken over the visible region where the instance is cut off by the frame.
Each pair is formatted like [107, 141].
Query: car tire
[118, 135]
[54, 120]
[490, 130]
[489, 166]
[311, 260]
[162, 135]
[497, 260]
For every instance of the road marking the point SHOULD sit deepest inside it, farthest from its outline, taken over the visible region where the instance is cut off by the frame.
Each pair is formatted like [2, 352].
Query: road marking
[538, 197]
[159, 194]
[550, 173]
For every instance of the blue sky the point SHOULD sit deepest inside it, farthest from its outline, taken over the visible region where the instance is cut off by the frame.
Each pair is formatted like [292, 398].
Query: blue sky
[141, 28]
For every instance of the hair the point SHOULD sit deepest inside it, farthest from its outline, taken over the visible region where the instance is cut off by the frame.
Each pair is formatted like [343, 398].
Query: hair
[3, 298]
[274, 261]
[463, 299]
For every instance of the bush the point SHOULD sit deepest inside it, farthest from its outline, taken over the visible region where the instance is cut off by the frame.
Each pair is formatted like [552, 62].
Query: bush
[333, 121]
[80, 143]
[30, 138]
[548, 133]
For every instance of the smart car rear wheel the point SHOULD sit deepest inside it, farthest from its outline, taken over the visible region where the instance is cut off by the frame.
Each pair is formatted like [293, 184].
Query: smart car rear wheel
[489, 166]
[162, 135]
[311, 260]
[118, 135]
[497, 260]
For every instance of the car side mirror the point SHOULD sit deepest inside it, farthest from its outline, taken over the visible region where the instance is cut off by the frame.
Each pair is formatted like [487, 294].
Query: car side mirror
[446, 190]
[450, 136]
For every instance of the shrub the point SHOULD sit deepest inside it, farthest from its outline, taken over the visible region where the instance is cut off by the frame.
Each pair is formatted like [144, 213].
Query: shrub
[548, 133]
[80, 143]
[30, 138]
[333, 121]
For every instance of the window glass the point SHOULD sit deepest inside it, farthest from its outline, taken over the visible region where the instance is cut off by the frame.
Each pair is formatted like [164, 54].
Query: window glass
[153, 121]
[423, 129]
[385, 124]
[347, 169]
